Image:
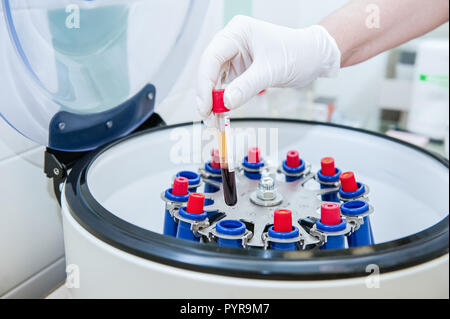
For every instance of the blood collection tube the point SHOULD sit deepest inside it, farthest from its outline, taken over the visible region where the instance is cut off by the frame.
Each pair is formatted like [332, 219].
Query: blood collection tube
[332, 225]
[284, 230]
[177, 195]
[293, 165]
[253, 163]
[192, 213]
[193, 178]
[225, 147]
[350, 188]
[328, 176]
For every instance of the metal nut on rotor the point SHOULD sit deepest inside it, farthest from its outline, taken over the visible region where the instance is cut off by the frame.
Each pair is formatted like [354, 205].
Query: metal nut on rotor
[266, 189]
[266, 193]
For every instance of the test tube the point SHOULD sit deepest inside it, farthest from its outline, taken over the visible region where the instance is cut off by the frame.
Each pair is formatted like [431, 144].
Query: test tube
[224, 137]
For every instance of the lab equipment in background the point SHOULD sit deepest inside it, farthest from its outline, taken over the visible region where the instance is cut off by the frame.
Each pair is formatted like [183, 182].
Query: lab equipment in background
[414, 96]
[395, 90]
[430, 96]
[293, 103]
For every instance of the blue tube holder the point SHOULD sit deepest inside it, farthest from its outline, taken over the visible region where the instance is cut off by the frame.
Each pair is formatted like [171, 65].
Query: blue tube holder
[192, 177]
[255, 175]
[359, 211]
[185, 222]
[292, 235]
[346, 196]
[170, 223]
[230, 232]
[293, 170]
[327, 182]
[209, 188]
[334, 233]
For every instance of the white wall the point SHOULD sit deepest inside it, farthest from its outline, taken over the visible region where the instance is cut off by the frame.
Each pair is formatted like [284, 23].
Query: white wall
[31, 242]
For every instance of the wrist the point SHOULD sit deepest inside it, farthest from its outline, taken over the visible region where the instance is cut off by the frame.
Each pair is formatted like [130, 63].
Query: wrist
[328, 48]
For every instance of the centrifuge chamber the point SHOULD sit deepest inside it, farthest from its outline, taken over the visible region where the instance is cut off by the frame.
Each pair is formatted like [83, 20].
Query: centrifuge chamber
[113, 220]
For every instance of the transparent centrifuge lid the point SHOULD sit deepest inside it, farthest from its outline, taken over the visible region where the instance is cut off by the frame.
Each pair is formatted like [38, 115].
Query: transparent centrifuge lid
[85, 72]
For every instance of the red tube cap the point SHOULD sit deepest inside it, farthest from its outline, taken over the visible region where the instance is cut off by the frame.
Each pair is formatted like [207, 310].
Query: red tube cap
[292, 159]
[195, 203]
[253, 155]
[218, 104]
[282, 221]
[215, 159]
[327, 166]
[180, 186]
[330, 214]
[348, 182]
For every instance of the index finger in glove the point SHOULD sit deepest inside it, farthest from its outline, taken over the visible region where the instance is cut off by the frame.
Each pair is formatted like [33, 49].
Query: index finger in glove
[224, 46]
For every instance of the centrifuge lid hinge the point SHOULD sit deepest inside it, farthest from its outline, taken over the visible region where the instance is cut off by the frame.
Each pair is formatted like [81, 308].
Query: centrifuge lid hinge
[57, 163]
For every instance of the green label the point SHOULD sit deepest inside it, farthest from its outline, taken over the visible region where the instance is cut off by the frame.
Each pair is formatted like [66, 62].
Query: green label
[435, 79]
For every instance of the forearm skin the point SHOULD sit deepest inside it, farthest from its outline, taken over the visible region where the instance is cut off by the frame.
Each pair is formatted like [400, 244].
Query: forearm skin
[359, 36]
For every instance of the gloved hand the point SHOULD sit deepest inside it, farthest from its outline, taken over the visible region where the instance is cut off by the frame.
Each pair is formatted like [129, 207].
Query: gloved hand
[256, 55]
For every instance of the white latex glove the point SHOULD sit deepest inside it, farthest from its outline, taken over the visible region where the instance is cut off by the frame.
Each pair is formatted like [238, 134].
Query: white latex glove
[257, 55]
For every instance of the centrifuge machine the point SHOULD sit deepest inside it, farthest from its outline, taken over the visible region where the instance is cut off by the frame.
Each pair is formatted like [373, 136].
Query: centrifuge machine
[88, 94]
